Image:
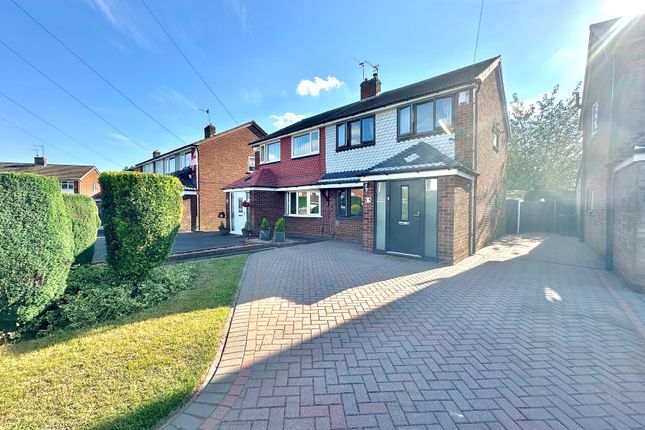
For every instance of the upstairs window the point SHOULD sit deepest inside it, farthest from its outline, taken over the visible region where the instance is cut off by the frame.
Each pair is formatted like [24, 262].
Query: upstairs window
[356, 133]
[303, 203]
[251, 164]
[305, 144]
[147, 168]
[67, 186]
[594, 118]
[427, 117]
[350, 203]
[269, 152]
[496, 134]
[184, 160]
[159, 166]
[170, 165]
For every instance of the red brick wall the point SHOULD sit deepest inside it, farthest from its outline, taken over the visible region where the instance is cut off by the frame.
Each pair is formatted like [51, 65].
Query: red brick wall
[368, 215]
[629, 219]
[491, 163]
[86, 184]
[303, 166]
[222, 159]
[270, 205]
[454, 219]
[463, 122]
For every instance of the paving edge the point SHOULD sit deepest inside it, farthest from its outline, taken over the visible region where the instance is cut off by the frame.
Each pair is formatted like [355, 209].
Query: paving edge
[212, 368]
[633, 318]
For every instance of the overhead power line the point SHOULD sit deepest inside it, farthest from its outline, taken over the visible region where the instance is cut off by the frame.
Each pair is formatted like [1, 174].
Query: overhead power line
[481, 10]
[96, 72]
[64, 133]
[49, 144]
[188, 61]
[63, 89]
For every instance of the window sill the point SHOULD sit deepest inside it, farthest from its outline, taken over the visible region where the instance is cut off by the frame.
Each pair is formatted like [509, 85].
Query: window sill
[405, 137]
[303, 216]
[349, 148]
[349, 218]
[269, 162]
[295, 157]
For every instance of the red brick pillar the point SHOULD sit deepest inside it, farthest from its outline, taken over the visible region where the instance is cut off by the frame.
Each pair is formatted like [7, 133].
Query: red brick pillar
[464, 137]
[368, 215]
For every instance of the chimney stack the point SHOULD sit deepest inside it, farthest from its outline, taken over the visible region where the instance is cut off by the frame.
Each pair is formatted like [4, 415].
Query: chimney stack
[209, 131]
[371, 87]
[40, 160]
[156, 153]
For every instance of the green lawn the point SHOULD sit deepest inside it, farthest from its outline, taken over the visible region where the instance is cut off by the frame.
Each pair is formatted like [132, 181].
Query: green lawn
[126, 375]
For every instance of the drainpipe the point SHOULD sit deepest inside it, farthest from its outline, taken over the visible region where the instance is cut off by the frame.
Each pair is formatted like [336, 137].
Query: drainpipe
[609, 204]
[473, 192]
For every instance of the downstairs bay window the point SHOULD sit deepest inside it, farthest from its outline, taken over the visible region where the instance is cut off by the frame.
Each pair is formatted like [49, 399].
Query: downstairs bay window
[303, 203]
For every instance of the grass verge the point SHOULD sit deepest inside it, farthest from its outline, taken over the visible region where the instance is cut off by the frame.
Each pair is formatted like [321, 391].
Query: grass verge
[129, 374]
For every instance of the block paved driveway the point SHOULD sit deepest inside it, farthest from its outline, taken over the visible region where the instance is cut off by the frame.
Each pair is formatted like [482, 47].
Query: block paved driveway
[529, 333]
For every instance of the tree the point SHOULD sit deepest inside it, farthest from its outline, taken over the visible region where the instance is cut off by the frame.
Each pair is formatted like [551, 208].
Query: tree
[546, 143]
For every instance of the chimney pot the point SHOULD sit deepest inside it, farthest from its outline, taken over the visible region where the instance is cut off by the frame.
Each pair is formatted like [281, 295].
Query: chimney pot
[40, 160]
[156, 153]
[209, 131]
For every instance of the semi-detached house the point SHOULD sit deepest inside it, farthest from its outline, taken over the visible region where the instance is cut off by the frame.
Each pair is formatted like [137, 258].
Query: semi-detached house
[417, 171]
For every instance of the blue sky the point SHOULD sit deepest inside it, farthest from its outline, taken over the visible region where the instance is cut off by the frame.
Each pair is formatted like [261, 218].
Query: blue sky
[261, 59]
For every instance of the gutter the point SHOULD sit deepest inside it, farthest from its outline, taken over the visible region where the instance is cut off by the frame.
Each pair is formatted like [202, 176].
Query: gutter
[473, 193]
[611, 177]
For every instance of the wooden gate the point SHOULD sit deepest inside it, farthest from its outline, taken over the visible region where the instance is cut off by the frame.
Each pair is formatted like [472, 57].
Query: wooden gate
[550, 216]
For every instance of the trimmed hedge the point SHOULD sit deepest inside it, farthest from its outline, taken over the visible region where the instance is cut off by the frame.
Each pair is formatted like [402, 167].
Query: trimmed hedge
[35, 246]
[141, 214]
[85, 222]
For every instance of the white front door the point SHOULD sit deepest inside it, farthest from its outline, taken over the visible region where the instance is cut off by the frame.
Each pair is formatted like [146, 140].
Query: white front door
[238, 211]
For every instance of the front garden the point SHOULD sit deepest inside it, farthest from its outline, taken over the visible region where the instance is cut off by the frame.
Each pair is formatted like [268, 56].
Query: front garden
[117, 345]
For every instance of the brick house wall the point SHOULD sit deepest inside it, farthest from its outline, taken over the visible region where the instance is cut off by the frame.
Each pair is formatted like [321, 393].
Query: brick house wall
[453, 213]
[490, 192]
[222, 159]
[265, 204]
[629, 224]
[301, 166]
[86, 184]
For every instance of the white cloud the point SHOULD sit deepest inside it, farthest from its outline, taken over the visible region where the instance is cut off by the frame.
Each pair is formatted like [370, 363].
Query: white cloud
[286, 119]
[120, 16]
[170, 96]
[306, 87]
[253, 97]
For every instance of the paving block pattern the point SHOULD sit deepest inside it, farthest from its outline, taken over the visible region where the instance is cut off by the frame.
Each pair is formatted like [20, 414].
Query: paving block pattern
[523, 335]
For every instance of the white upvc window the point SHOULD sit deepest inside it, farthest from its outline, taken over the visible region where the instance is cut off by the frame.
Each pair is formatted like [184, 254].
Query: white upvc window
[147, 168]
[170, 165]
[594, 118]
[305, 144]
[251, 163]
[184, 160]
[303, 203]
[67, 186]
[269, 152]
[159, 166]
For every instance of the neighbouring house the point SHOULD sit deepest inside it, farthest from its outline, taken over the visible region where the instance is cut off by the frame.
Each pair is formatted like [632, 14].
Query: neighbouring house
[611, 182]
[418, 170]
[204, 167]
[73, 179]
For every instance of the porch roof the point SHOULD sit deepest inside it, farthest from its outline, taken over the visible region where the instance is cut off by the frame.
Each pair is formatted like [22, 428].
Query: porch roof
[421, 156]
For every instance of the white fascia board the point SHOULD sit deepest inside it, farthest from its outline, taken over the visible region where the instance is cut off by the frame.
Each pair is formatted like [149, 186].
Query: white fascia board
[190, 193]
[628, 161]
[414, 175]
[301, 188]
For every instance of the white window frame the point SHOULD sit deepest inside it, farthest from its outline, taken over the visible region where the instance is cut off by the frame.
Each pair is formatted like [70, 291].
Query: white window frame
[595, 113]
[167, 165]
[250, 167]
[264, 152]
[162, 166]
[95, 186]
[287, 206]
[311, 140]
[184, 160]
[148, 168]
[65, 186]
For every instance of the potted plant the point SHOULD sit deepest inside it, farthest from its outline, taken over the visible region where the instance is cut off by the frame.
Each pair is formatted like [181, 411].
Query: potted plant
[222, 228]
[246, 230]
[265, 230]
[278, 234]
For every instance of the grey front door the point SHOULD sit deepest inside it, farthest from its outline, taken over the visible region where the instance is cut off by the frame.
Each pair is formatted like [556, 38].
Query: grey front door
[406, 217]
